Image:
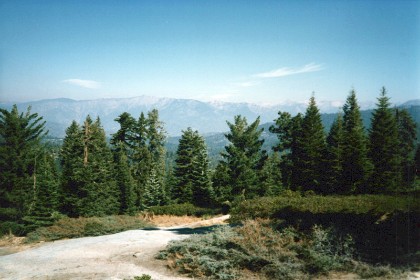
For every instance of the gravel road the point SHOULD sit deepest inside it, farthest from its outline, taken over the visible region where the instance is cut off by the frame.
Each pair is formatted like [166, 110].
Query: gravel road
[117, 256]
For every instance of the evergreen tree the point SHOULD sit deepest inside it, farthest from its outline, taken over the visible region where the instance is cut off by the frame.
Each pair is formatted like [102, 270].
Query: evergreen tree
[356, 166]
[407, 146]
[154, 191]
[289, 132]
[221, 183]
[71, 156]
[141, 158]
[125, 134]
[191, 174]
[334, 170]
[99, 191]
[20, 136]
[46, 198]
[244, 156]
[383, 151]
[313, 148]
[124, 180]
[88, 184]
[270, 177]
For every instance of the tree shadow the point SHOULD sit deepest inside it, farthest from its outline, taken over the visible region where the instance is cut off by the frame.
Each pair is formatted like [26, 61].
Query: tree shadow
[187, 231]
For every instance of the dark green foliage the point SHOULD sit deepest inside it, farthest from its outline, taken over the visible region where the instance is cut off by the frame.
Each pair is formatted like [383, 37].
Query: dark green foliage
[191, 175]
[334, 166]
[384, 227]
[221, 183]
[125, 181]
[154, 191]
[71, 156]
[289, 132]
[312, 148]
[243, 157]
[383, 149]
[125, 134]
[46, 198]
[270, 177]
[406, 146]
[88, 172]
[20, 135]
[356, 165]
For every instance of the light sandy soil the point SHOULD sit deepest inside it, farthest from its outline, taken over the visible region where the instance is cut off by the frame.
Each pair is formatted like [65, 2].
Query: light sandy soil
[117, 256]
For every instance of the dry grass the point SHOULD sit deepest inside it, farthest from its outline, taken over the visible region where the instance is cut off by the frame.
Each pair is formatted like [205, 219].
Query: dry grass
[11, 240]
[170, 221]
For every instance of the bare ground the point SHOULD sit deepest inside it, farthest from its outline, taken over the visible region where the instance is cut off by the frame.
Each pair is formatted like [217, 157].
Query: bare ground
[117, 256]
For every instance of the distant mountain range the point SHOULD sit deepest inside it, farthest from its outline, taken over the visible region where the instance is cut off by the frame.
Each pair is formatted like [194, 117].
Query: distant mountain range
[177, 114]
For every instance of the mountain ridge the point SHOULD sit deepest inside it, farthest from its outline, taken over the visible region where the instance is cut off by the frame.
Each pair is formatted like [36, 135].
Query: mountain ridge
[177, 114]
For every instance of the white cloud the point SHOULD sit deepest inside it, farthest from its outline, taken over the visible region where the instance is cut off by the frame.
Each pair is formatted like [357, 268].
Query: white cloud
[286, 71]
[83, 83]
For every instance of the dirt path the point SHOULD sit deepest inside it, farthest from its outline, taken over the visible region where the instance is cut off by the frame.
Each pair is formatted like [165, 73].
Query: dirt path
[117, 256]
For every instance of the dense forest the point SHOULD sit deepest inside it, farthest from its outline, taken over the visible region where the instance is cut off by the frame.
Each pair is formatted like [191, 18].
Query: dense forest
[90, 176]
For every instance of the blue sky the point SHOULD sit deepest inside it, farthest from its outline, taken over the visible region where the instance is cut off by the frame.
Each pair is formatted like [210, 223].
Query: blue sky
[241, 51]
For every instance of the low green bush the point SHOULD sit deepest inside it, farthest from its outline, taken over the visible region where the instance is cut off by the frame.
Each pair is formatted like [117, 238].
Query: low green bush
[185, 209]
[229, 253]
[80, 227]
[383, 227]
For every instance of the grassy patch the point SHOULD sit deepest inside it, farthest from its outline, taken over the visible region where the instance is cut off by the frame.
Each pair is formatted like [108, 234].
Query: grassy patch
[80, 227]
[257, 249]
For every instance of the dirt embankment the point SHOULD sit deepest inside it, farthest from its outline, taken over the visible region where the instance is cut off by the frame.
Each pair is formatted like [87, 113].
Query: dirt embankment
[117, 256]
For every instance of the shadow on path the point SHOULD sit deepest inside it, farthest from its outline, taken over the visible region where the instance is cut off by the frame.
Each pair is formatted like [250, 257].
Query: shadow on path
[187, 230]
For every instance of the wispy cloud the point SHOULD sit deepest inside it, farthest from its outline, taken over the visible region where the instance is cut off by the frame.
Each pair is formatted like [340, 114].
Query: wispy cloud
[286, 71]
[83, 83]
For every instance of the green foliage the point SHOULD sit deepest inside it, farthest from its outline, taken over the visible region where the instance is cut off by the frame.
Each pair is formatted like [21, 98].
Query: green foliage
[20, 136]
[185, 209]
[334, 166]
[312, 150]
[191, 174]
[383, 227]
[384, 148]
[143, 277]
[374, 205]
[125, 181]
[407, 146]
[356, 166]
[89, 186]
[255, 247]
[243, 157]
[80, 227]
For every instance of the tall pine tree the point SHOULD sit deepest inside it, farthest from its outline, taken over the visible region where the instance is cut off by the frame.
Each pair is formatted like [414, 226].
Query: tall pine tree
[356, 165]
[334, 168]
[313, 148]
[407, 146]
[191, 175]
[20, 136]
[244, 157]
[383, 148]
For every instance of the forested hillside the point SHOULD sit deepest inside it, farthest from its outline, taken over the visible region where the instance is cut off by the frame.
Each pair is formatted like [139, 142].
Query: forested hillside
[87, 176]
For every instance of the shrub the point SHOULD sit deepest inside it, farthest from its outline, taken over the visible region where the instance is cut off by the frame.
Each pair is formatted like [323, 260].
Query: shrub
[383, 227]
[79, 227]
[257, 249]
[186, 209]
